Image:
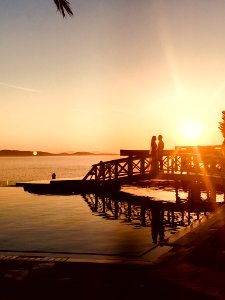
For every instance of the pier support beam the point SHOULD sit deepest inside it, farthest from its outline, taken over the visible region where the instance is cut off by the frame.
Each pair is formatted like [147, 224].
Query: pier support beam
[194, 195]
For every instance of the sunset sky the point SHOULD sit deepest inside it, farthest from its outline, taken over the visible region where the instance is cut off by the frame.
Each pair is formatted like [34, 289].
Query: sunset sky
[112, 76]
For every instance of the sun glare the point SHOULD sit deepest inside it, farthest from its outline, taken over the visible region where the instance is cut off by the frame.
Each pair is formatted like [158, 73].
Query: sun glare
[191, 130]
[35, 153]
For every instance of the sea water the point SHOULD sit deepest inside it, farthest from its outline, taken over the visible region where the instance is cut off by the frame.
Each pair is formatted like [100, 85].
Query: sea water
[69, 224]
[50, 223]
[31, 168]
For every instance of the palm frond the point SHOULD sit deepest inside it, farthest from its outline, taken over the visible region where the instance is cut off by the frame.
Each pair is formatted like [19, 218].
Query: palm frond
[63, 6]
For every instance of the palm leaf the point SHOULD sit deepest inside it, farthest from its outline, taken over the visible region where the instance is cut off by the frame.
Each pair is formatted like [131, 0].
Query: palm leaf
[63, 6]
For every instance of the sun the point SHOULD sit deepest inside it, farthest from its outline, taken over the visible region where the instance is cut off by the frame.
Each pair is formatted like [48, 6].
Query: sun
[191, 130]
[35, 153]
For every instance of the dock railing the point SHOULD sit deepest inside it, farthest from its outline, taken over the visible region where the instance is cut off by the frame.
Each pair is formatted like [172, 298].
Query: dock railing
[119, 168]
[207, 160]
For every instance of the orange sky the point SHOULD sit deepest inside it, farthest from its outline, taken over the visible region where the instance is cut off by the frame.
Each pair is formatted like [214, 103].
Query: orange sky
[112, 76]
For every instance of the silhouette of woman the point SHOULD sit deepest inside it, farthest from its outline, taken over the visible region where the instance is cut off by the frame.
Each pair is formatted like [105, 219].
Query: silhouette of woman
[153, 154]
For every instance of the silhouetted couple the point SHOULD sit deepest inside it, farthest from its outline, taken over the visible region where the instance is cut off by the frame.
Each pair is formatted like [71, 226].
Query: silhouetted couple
[156, 153]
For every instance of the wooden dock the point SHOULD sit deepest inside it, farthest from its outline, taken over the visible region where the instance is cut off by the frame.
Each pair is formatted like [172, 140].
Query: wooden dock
[68, 187]
[205, 165]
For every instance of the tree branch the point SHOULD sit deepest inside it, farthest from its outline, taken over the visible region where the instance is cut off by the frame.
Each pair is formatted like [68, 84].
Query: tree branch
[63, 6]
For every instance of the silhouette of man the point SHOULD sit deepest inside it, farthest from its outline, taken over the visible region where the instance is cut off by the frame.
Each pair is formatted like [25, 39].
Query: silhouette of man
[160, 149]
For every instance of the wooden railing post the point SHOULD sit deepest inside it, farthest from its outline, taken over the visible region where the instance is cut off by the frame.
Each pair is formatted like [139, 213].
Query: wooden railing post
[175, 164]
[130, 171]
[102, 171]
[116, 170]
[109, 170]
[169, 158]
[185, 162]
[96, 173]
[172, 164]
[142, 166]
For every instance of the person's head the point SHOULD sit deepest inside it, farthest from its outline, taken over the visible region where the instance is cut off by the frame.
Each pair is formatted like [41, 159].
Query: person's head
[160, 137]
[153, 138]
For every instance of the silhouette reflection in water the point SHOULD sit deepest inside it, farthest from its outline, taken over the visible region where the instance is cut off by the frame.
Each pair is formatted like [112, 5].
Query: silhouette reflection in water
[163, 218]
[157, 225]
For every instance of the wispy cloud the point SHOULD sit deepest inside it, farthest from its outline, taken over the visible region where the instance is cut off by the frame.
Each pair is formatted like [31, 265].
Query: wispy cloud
[19, 87]
[219, 90]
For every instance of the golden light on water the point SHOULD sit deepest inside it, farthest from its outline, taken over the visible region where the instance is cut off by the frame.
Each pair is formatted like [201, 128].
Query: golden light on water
[35, 153]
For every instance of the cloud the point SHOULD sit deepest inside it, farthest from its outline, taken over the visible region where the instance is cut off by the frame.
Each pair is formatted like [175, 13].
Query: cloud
[20, 87]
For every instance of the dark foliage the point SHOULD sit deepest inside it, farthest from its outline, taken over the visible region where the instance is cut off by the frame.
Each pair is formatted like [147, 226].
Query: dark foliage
[63, 6]
[222, 124]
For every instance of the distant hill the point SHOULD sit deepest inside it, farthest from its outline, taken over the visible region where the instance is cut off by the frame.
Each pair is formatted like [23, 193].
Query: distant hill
[41, 153]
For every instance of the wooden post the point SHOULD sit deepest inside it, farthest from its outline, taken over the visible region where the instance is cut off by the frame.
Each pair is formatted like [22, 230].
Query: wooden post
[102, 171]
[189, 218]
[142, 166]
[142, 216]
[116, 209]
[161, 227]
[182, 217]
[96, 204]
[173, 218]
[96, 172]
[212, 197]
[168, 162]
[109, 170]
[103, 204]
[116, 170]
[130, 167]
[129, 212]
[195, 192]
[176, 164]
[168, 216]
[176, 193]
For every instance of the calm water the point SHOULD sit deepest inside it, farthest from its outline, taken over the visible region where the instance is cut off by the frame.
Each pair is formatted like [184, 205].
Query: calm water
[18, 169]
[58, 223]
[31, 222]
[62, 224]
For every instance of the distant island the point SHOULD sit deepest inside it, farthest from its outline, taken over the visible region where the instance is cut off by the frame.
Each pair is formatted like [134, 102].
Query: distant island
[41, 153]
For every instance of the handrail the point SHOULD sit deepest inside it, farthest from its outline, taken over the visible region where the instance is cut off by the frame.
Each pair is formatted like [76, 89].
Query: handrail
[173, 163]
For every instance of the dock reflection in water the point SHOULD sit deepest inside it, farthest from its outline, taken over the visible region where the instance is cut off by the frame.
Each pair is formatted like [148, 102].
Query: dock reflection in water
[164, 218]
